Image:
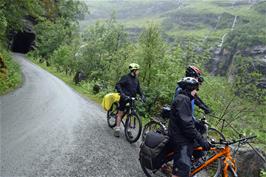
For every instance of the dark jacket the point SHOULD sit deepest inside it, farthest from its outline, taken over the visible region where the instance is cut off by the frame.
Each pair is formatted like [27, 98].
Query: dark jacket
[181, 127]
[128, 85]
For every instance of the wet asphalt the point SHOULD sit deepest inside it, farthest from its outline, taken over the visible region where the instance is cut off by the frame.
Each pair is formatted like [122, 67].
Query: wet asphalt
[47, 129]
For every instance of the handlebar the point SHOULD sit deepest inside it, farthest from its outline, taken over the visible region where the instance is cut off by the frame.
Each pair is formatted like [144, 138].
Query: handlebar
[241, 140]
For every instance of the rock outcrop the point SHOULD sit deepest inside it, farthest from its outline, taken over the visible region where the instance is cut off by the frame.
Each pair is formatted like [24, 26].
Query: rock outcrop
[249, 164]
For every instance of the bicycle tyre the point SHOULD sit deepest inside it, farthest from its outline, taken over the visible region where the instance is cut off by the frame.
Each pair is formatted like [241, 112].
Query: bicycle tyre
[128, 125]
[111, 115]
[152, 126]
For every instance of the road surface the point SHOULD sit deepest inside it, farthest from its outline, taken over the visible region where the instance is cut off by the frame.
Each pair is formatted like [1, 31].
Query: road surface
[47, 129]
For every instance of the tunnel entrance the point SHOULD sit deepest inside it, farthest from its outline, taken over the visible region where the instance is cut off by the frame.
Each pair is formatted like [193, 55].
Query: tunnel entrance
[23, 42]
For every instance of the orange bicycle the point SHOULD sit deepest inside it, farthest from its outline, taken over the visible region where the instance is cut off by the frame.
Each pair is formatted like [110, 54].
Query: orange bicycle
[218, 162]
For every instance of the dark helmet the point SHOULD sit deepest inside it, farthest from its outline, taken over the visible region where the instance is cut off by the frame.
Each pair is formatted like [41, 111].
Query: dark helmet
[189, 83]
[193, 71]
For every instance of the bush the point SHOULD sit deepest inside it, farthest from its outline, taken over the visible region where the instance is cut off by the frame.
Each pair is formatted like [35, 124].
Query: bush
[10, 77]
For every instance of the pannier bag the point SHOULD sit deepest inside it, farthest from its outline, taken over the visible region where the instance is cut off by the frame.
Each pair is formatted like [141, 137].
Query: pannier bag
[152, 150]
[109, 99]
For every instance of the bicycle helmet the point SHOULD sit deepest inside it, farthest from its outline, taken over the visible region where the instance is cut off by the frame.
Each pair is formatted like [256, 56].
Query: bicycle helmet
[189, 83]
[133, 66]
[193, 71]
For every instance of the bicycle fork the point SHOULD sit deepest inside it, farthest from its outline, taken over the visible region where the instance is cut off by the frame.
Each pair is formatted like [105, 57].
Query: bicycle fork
[229, 164]
[130, 122]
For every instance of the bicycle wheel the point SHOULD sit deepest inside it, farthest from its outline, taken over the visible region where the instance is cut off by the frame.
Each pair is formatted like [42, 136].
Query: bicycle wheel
[111, 115]
[133, 127]
[152, 126]
[214, 169]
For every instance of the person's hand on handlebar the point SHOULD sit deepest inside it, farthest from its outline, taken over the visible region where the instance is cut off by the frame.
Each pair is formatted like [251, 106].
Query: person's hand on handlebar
[204, 144]
[125, 97]
[207, 110]
[143, 98]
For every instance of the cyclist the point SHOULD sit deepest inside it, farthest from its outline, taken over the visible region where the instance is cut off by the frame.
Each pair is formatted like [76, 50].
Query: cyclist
[128, 86]
[181, 129]
[193, 71]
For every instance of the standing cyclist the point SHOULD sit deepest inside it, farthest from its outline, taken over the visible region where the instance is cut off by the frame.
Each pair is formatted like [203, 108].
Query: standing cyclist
[128, 86]
[181, 129]
[193, 71]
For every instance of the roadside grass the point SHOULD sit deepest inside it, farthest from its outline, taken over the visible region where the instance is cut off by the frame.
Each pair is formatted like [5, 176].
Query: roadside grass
[11, 76]
[83, 88]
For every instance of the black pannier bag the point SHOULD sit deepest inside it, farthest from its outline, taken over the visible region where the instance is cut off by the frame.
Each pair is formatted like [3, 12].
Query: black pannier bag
[152, 150]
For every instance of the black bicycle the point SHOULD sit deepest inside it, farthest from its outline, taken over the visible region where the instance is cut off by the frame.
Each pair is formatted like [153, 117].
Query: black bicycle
[130, 120]
[159, 124]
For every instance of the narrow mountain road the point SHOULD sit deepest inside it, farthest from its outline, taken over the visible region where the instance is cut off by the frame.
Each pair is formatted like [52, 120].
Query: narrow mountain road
[47, 129]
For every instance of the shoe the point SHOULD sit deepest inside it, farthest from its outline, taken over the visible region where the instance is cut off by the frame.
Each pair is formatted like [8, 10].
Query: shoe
[129, 134]
[166, 169]
[117, 132]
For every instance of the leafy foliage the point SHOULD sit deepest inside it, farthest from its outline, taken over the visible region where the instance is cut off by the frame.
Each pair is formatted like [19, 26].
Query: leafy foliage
[247, 80]
[56, 24]
[260, 7]
[248, 34]
[104, 44]
[152, 51]
[10, 76]
[51, 35]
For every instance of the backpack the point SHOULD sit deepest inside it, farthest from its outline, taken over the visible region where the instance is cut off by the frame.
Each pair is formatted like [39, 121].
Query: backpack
[152, 150]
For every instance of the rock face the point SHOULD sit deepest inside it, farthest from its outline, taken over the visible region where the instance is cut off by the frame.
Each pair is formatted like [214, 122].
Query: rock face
[222, 60]
[249, 164]
[253, 51]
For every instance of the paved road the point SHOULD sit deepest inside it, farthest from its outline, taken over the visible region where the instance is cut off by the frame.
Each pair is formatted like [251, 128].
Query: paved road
[47, 129]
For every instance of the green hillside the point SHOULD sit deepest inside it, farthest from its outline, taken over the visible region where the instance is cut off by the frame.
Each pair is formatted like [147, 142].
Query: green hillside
[187, 18]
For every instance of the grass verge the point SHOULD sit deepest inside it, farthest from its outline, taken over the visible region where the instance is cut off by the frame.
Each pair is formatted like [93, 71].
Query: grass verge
[84, 89]
[10, 73]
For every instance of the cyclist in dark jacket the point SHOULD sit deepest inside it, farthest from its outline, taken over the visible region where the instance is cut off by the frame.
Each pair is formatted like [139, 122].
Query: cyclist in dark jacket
[181, 129]
[193, 71]
[128, 86]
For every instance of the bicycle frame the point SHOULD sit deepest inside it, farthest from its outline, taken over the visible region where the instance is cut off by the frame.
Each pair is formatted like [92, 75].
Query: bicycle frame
[229, 162]
[130, 109]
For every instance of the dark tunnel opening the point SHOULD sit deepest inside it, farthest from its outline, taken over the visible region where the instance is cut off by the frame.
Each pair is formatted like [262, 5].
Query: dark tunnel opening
[23, 42]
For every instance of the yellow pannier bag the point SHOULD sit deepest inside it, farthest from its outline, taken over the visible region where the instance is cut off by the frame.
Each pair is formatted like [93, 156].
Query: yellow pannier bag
[109, 99]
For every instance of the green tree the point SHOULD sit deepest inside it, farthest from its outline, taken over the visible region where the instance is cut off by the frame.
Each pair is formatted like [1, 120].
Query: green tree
[152, 52]
[104, 50]
[247, 79]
